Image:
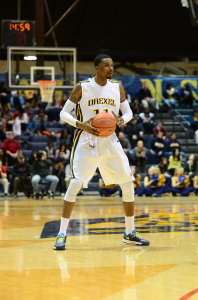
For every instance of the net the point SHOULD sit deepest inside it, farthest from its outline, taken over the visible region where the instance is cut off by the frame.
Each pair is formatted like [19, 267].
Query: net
[47, 89]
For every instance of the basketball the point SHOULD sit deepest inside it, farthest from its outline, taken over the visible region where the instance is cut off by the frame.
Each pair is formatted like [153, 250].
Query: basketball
[105, 122]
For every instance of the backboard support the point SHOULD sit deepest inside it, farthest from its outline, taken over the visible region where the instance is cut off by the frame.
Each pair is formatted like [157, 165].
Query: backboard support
[27, 65]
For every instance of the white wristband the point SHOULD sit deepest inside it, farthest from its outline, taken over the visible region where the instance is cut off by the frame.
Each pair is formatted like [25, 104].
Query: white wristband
[65, 114]
[126, 111]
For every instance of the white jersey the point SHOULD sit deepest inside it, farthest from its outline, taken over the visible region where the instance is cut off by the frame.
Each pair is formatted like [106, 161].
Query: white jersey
[96, 99]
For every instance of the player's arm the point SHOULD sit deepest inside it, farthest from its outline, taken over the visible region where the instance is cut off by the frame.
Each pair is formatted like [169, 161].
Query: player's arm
[70, 105]
[124, 107]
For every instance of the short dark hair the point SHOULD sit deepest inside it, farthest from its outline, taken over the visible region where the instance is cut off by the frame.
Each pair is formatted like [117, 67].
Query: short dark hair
[39, 155]
[99, 58]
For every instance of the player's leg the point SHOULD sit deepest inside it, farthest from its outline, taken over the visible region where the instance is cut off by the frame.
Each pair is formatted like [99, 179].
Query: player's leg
[130, 235]
[68, 204]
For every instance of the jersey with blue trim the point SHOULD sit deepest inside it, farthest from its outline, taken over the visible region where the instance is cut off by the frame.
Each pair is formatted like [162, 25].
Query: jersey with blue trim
[96, 98]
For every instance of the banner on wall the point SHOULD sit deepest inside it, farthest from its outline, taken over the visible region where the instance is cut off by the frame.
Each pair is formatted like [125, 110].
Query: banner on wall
[156, 84]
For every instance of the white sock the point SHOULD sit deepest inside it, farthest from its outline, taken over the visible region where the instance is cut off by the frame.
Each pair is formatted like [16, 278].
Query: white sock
[63, 225]
[129, 224]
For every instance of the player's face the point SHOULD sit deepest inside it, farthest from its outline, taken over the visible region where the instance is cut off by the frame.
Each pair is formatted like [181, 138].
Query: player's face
[105, 68]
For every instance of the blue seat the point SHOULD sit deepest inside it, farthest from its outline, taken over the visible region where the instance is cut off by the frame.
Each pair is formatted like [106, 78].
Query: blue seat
[39, 146]
[53, 124]
[40, 139]
[27, 153]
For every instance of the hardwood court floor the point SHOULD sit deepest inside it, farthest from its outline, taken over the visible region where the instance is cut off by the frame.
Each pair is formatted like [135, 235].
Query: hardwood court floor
[96, 264]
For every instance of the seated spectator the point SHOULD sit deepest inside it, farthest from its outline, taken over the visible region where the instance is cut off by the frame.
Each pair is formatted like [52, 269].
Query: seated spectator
[31, 127]
[140, 157]
[170, 95]
[63, 100]
[195, 183]
[52, 109]
[175, 161]
[7, 116]
[50, 151]
[16, 124]
[22, 177]
[185, 96]
[16, 101]
[163, 165]
[145, 96]
[193, 120]
[28, 109]
[160, 128]
[173, 144]
[125, 145]
[134, 132]
[148, 121]
[2, 122]
[136, 182]
[41, 128]
[3, 158]
[157, 148]
[65, 138]
[11, 147]
[191, 166]
[3, 179]
[66, 152]
[4, 95]
[59, 171]
[154, 183]
[32, 157]
[41, 117]
[41, 169]
[180, 183]
[32, 97]
[136, 107]
[107, 190]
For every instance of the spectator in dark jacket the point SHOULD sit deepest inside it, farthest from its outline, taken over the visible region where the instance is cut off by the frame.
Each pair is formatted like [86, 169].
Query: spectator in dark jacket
[148, 120]
[4, 95]
[11, 147]
[125, 145]
[145, 96]
[193, 119]
[22, 177]
[173, 144]
[185, 96]
[159, 127]
[134, 132]
[41, 169]
[59, 171]
[157, 147]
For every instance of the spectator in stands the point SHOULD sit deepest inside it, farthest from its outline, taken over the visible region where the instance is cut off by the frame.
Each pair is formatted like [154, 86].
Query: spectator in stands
[136, 107]
[7, 116]
[175, 161]
[4, 95]
[107, 190]
[31, 127]
[3, 158]
[41, 169]
[3, 179]
[157, 147]
[32, 157]
[66, 152]
[63, 100]
[41, 117]
[41, 128]
[170, 95]
[185, 96]
[145, 96]
[52, 109]
[64, 138]
[22, 177]
[195, 183]
[180, 183]
[2, 122]
[134, 132]
[193, 120]
[50, 151]
[191, 166]
[32, 97]
[28, 109]
[16, 124]
[140, 157]
[172, 144]
[125, 145]
[16, 101]
[11, 147]
[160, 128]
[136, 182]
[163, 165]
[154, 183]
[148, 121]
[59, 171]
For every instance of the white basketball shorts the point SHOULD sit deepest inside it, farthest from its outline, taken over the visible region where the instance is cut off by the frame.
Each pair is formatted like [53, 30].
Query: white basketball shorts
[90, 152]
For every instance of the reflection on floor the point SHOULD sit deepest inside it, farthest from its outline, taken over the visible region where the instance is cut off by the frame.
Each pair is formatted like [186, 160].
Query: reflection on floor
[96, 264]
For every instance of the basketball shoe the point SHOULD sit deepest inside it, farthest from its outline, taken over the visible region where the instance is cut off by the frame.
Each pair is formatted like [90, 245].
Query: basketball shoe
[134, 238]
[60, 242]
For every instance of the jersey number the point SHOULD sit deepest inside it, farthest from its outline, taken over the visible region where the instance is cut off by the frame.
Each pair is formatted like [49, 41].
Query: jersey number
[97, 110]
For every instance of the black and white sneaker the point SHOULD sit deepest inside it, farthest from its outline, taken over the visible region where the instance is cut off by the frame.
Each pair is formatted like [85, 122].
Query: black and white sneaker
[134, 238]
[60, 242]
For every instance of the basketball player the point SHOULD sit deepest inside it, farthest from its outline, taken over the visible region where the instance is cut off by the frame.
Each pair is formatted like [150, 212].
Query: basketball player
[90, 151]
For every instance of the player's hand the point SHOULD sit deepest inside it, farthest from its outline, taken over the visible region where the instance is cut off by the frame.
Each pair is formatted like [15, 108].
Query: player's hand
[86, 126]
[118, 119]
